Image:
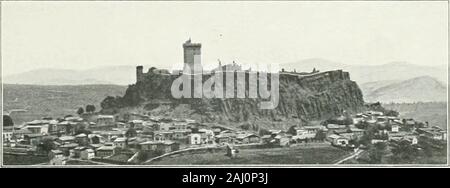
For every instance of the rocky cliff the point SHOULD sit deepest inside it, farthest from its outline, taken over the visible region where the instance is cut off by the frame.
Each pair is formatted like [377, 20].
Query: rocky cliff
[303, 97]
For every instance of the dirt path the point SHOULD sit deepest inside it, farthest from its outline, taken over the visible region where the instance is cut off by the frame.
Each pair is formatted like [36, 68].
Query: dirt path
[349, 157]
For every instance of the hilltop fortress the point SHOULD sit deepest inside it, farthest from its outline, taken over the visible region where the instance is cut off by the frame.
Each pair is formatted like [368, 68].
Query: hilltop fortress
[192, 65]
[303, 95]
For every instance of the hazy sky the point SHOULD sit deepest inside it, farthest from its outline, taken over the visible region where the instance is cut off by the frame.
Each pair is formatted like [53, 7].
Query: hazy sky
[77, 35]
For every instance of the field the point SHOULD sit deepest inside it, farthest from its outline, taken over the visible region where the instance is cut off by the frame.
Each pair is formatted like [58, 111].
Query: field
[324, 154]
[29, 102]
[9, 159]
[433, 112]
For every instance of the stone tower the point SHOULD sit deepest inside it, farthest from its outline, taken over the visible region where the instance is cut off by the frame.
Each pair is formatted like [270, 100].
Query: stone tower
[192, 56]
[139, 73]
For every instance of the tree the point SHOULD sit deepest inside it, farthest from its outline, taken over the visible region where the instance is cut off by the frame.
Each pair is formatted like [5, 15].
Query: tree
[292, 130]
[47, 144]
[142, 156]
[131, 132]
[82, 129]
[391, 113]
[404, 152]
[90, 108]
[376, 152]
[263, 132]
[320, 135]
[111, 102]
[80, 111]
[7, 121]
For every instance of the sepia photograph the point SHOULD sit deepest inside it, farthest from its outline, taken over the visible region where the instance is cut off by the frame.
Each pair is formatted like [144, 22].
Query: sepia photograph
[224, 84]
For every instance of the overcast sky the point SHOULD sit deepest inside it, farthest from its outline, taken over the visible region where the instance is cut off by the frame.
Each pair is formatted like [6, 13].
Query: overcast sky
[77, 35]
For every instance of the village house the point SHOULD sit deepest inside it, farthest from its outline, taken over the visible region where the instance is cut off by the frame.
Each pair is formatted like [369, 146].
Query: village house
[110, 135]
[160, 146]
[359, 118]
[73, 119]
[358, 133]
[332, 127]
[135, 116]
[56, 157]
[223, 139]
[196, 126]
[76, 152]
[307, 132]
[148, 129]
[282, 140]
[338, 140]
[397, 135]
[163, 135]
[374, 141]
[120, 142]
[149, 145]
[409, 122]
[435, 133]
[168, 146]
[20, 134]
[195, 139]
[134, 142]
[66, 139]
[190, 121]
[105, 151]
[53, 127]
[276, 132]
[412, 139]
[95, 146]
[229, 133]
[65, 127]
[314, 129]
[65, 148]
[122, 125]
[180, 125]
[181, 134]
[216, 131]
[207, 136]
[7, 134]
[373, 113]
[395, 128]
[105, 120]
[33, 139]
[247, 138]
[155, 119]
[94, 138]
[266, 139]
[87, 154]
[137, 124]
[82, 139]
[348, 135]
[164, 126]
[37, 127]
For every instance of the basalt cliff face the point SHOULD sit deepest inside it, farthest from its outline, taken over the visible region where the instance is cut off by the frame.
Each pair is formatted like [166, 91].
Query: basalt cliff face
[304, 97]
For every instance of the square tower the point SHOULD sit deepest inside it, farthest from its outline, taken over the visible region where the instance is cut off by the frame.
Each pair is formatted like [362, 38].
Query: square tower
[192, 57]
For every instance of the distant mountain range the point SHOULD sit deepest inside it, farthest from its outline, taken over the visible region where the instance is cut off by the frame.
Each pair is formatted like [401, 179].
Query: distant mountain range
[124, 75]
[423, 89]
[118, 75]
[393, 81]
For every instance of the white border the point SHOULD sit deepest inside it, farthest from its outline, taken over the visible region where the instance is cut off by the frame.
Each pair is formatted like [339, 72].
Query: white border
[232, 165]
